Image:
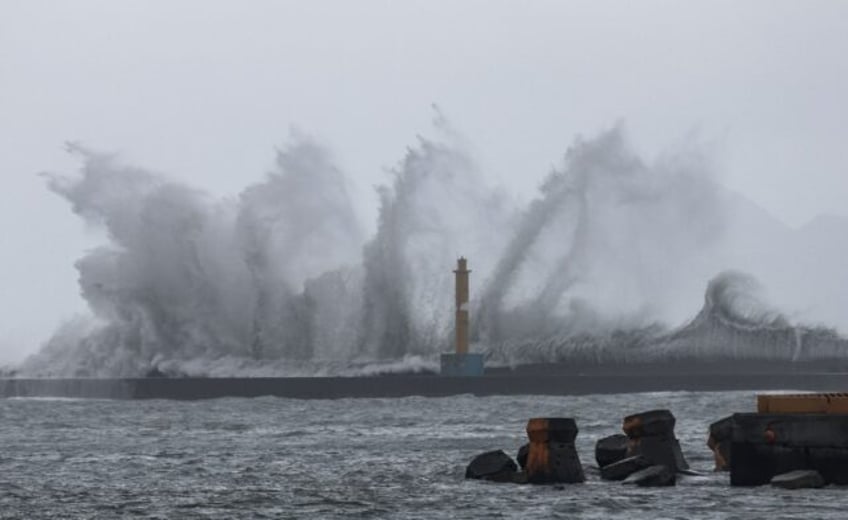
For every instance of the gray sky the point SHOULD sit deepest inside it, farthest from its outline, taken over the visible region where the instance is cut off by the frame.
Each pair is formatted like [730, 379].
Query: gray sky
[204, 90]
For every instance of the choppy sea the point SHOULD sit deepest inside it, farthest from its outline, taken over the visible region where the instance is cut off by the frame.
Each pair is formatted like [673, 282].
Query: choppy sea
[351, 458]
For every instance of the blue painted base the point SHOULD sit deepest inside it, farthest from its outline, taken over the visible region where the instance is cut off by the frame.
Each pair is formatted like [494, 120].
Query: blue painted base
[462, 365]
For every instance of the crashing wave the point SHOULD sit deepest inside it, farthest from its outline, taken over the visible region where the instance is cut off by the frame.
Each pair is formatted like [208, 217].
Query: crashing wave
[282, 281]
[735, 323]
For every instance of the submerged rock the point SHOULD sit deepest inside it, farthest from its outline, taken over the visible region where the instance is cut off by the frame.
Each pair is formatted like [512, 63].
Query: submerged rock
[496, 466]
[798, 479]
[653, 476]
[610, 449]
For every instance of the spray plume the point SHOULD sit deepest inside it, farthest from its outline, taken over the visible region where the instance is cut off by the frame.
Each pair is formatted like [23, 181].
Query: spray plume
[281, 279]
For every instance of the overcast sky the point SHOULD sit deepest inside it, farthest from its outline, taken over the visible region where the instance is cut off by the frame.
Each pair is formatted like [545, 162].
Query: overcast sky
[204, 90]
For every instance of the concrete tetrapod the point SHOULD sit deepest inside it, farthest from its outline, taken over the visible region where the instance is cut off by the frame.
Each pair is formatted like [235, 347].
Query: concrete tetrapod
[651, 434]
[802, 478]
[492, 465]
[610, 449]
[622, 469]
[721, 435]
[521, 457]
[653, 476]
[552, 457]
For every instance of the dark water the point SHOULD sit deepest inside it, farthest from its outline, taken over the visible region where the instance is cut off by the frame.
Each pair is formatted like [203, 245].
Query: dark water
[361, 458]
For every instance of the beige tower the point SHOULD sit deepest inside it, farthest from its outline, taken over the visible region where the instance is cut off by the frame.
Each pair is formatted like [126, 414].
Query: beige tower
[462, 292]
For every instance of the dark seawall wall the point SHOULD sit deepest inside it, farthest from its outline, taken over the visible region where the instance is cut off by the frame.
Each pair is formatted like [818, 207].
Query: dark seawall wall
[515, 383]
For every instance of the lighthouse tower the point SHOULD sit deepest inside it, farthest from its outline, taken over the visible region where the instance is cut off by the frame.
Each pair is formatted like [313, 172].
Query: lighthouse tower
[462, 363]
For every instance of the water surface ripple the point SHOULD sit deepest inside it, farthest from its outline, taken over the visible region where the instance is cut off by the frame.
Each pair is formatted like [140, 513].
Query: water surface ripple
[361, 458]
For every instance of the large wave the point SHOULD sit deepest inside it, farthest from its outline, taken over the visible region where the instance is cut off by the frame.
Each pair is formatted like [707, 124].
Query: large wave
[282, 280]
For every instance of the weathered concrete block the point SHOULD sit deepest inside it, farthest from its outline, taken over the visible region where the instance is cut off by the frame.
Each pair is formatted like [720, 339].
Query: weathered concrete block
[653, 422]
[522, 456]
[798, 479]
[679, 460]
[552, 457]
[653, 476]
[722, 429]
[664, 450]
[551, 429]
[492, 465]
[766, 445]
[519, 477]
[651, 434]
[549, 463]
[610, 449]
[831, 463]
[811, 430]
[622, 469]
[719, 441]
[756, 464]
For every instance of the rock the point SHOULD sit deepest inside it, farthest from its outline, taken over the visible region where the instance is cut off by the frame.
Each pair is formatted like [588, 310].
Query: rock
[492, 465]
[624, 468]
[610, 449]
[798, 479]
[552, 457]
[654, 422]
[653, 476]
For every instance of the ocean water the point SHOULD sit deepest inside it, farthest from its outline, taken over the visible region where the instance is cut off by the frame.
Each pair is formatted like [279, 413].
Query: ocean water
[351, 458]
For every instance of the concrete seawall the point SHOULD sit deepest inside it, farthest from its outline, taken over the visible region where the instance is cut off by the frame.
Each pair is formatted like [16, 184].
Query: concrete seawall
[416, 385]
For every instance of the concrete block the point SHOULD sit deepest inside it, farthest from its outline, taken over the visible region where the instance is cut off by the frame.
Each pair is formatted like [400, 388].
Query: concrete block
[766, 445]
[551, 429]
[521, 458]
[610, 449]
[653, 422]
[622, 469]
[719, 440]
[492, 465]
[659, 450]
[653, 476]
[798, 480]
[552, 457]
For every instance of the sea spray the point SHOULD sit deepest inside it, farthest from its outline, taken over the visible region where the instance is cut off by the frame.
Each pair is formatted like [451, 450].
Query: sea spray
[436, 208]
[186, 277]
[280, 280]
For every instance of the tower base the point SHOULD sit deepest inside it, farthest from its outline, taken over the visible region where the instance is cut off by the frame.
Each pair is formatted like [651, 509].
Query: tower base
[462, 365]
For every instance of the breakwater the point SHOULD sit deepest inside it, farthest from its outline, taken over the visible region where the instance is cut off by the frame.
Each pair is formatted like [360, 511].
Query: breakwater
[526, 383]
